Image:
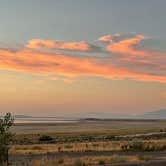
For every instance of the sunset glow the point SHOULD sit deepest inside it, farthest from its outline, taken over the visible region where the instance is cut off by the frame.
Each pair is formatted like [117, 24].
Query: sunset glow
[82, 61]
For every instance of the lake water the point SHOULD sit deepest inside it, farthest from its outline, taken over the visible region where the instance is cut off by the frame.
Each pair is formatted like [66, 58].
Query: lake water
[45, 120]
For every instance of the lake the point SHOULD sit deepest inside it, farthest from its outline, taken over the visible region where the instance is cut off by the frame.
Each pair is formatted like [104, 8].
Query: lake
[45, 120]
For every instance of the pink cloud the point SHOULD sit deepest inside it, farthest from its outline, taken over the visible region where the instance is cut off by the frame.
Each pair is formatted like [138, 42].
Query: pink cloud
[125, 46]
[77, 46]
[127, 54]
[107, 38]
[125, 61]
[35, 62]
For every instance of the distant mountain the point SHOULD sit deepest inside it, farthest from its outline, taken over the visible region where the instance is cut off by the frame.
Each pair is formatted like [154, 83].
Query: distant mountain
[102, 115]
[161, 114]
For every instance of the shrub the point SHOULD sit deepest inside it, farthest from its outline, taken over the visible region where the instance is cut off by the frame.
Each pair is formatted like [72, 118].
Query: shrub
[61, 161]
[95, 145]
[45, 138]
[67, 146]
[145, 158]
[124, 147]
[37, 148]
[5, 137]
[101, 162]
[136, 144]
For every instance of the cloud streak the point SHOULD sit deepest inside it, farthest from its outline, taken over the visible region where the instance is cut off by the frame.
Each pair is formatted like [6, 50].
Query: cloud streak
[131, 62]
[77, 46]
[68, 66]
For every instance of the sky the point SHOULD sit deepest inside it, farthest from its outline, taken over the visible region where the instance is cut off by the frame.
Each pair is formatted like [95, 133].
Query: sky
[76, 57]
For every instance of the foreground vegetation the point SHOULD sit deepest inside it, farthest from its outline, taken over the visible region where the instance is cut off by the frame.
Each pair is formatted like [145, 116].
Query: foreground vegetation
[87, 161]
[83, 137]
[5, 137]
[133, 145]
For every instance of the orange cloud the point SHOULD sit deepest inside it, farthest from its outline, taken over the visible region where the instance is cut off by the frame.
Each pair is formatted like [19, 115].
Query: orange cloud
[78, 46]
[126, 46]
[131, 57]
[163, 95]
[36, 62]
[107, 38]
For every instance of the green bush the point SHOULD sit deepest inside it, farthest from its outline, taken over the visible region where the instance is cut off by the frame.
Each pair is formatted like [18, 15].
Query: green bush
[5, 137]
[136, 144]
[68, 146]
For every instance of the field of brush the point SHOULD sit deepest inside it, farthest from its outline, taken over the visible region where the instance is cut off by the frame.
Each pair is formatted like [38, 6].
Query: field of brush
[88, 142]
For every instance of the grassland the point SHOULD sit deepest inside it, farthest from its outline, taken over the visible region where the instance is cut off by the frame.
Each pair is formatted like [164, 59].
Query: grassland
[87, 161]
[151, 145]
[88, 136]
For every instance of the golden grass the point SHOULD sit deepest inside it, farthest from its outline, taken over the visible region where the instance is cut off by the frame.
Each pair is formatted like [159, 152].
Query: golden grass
[67, 147]
[85, 161]
[78, 147]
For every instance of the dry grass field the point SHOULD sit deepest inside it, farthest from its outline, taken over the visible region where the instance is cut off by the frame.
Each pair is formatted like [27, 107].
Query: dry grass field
[87, 136]
[87, 161]
[155, 145]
